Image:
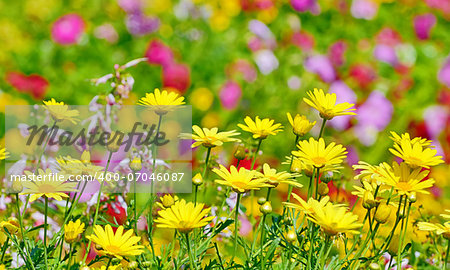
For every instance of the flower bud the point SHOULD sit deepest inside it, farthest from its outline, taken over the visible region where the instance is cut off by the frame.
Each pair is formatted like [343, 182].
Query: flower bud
[197, 180]
[296, 166]
[167, 200]
[288, 221]
[261, 200]
[133, 265]
[266, 208]
[291, 236]
[147, 264]
[393, 246]
[368, 200]
[11, 225]
[240, 154]
[16, 187]
[136, 164]
[323, 189]
[374, 266]
[114, 141]
[383, 213]
[412, 197]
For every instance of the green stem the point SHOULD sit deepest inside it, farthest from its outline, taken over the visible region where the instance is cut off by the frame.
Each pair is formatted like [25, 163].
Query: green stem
[208, 155]
[236, 224]
[446, 254]
[70, 257]
[4, 248]
[262, 239]
[45, 231]
[322, 128]
[97, 205]
[317, 184]
[195, 195]
[135, 204]
[255, 154]
[191, 258]
[402, 235]
[109, 262]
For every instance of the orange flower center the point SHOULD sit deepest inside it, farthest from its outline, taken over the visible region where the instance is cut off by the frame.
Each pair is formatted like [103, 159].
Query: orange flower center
[319, 161]
[405, 186]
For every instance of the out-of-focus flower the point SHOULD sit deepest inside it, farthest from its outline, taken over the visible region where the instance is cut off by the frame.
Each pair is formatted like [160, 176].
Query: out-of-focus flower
[404, 179]
[306, 5]
[117, 244]
[68, 29]
[363, 74]
[444, 73]
[343, 94]
[423, 25]
[201, 98]
[244, 67]
[315, 153]
[436, 119]
[176, 76]
[158, 53]
[303, 40]
[294, 82]
[60, 111]
[184, 217]
[139, 24]
[274, 178]
[240, 181]
[161, 102]
[322, 66]
[230, 94]
[47, 185]
[266, 61]
[3, 154]
[107, 32]
[261, 128]
[300, 124]
[131, 6]
[326, 104]
[336, 53]
[415, 155]
[210, 137]
[72, 231]
[33, 84]
[436, 228]
[385, 53]
[364, 9]
[373, 116]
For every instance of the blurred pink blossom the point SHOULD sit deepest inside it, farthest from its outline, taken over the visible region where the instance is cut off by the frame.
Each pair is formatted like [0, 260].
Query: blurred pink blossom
[303, 40]
[444, 73]
[321, 65]
[436, 119]
[364, 9]
[68, 29]
[177, 76]
[266, 61]
[423, 25]
[158, 53]
[306, 5]
[336, 53]
[230, 94]
[386, 54]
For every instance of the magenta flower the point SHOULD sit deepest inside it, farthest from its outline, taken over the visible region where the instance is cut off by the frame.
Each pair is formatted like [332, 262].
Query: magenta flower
[386, 54]
[423, 25]
[230, 94]
[158, 53]
[68, 29]
[321, 65]
[306, 5]
[336, 53]
[176, 76]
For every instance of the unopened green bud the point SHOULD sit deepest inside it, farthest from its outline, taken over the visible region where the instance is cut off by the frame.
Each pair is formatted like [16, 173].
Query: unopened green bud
[266, 208]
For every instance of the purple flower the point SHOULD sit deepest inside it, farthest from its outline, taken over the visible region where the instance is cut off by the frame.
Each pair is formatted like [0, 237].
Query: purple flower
[139, 24]
[385, 53]
[230, 94]
[435, 119]
[444, 73]
[364, 9]
[68, 29]
[266, 61]
[343, 94]
[423, 25]
[321, 65]
[131, 6]
[373, 116]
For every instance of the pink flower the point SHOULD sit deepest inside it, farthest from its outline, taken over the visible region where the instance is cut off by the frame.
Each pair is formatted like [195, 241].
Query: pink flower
[364, 9]
[423, 25]
[176, 76]
[444, 73]
[303, 40]
[321, 65]
[158, 53]
[230, 94]
[336, 53]
[68, 29]
[385, 53]
[306, 5]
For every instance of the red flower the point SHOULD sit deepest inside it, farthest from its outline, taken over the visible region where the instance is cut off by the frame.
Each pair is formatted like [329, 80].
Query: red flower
[33, 84]
[176, 76]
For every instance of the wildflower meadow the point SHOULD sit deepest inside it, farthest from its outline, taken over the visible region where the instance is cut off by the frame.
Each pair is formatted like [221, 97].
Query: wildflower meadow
[233, 134]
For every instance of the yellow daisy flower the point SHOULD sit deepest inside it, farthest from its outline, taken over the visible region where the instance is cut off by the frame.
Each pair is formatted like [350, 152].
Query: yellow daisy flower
[167, 201]
[334, 219]
[416, 155]
[300, 124]
[436, 228]
[73, 230]
[240, 181]
[368, 172]
[47, 184]
[184, 217]
[261, 128]
[60, 111]
[72, 166]
[162, 102]
[11, 225]
[315, 153]
[309, 207]
[404, 179]
[407, 138]
[446, 216]
[3, 154]
[308, 168]
[117, 244]
[210, 137]
[326, 104]
[274, 178]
